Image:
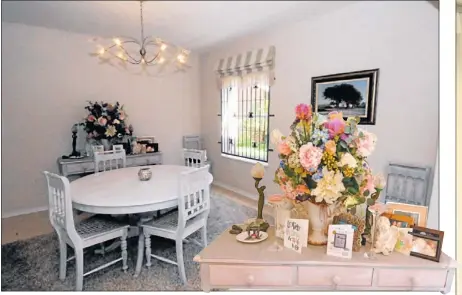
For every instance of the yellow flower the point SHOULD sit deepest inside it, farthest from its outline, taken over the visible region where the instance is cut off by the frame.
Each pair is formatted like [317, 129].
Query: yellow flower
[110, 131]
[331, 147]
[329, 187]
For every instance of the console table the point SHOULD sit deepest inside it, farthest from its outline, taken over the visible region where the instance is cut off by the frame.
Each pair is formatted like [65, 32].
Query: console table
[229, 264]
[87, 165]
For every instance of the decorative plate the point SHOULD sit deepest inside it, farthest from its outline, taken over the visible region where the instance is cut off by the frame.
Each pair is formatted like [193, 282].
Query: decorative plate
[243, 237]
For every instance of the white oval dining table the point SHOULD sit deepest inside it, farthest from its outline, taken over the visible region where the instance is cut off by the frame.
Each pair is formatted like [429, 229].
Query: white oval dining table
[121, 192]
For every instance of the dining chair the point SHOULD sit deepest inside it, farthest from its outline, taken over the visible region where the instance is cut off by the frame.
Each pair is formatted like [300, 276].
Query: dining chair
[110, 160]
[192, 142]
[84, 234]
[193, 210]
[193, 158]
[118, 147]
[98, 148]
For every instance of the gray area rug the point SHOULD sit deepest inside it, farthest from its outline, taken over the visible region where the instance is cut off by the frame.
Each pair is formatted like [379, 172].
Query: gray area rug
[33, 265]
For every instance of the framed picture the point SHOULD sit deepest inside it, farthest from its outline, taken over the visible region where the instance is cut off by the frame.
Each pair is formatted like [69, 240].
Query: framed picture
[358, 225]
[401, 221]
[353, 94]
[418, 213]
[426, 243]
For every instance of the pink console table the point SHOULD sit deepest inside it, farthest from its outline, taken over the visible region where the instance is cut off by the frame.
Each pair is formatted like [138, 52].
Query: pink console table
[229, 264]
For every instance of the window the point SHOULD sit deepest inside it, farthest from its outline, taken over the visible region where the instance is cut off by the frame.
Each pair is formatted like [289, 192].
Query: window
[245, 120]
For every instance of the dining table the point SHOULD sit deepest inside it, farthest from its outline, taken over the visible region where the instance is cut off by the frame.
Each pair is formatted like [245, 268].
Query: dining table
[121, 192]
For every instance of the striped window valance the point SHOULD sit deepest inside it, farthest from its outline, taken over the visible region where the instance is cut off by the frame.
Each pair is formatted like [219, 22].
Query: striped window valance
[247, 63]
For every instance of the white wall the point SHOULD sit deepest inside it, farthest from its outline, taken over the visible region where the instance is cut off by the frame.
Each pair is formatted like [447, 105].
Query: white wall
[399, 37]
[47, 77]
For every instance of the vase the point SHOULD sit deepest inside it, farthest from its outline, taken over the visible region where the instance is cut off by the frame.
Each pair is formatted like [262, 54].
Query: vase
[282, 210]
[319, 217]
[107, 144]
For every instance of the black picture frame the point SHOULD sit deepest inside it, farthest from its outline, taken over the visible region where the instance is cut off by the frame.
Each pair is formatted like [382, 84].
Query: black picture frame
[360, 86]
[430, 236]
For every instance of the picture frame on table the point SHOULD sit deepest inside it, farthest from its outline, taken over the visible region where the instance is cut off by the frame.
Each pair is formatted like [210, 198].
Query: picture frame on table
[416, 212]
[426, 243]
[400, 221]
[352, 93]
[358, 225]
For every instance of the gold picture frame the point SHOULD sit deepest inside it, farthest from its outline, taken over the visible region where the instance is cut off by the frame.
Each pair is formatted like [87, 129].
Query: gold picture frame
[417, 212]
[358, 223]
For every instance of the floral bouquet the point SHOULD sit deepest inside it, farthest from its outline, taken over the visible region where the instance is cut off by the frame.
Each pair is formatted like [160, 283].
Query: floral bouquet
[106, 121]
[324, 161]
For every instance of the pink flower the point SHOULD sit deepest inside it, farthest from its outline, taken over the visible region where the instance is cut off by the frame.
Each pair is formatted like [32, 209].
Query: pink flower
[378, 207]
[95, 134]
[370, 185]
[102, 121]
[366, 144]
[121, 115]
[335, 126]
[90, 135]
[310, 157]
[91, 118]
[303, 111]
[284, 148]
[289, 191]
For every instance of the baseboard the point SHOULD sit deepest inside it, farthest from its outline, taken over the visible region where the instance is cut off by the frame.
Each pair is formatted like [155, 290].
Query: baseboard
[236, 190]
[24, 211]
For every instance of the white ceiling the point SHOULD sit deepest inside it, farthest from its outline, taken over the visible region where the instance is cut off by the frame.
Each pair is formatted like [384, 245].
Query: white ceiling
[195, 25]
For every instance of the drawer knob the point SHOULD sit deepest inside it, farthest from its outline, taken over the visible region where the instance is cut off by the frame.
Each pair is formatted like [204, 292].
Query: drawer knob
[336, 280]
[250, 279]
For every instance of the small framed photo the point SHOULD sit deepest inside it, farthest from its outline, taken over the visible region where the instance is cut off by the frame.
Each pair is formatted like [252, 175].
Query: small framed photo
[416, 212]
[426, 243]
[400, 221]
[358, 224]
[354, 94]
[340, 240]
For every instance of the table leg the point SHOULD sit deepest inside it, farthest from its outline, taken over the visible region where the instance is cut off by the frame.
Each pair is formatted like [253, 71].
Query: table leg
[139, 260]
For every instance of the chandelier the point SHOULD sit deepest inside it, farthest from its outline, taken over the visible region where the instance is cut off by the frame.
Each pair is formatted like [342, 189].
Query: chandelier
[147, 51]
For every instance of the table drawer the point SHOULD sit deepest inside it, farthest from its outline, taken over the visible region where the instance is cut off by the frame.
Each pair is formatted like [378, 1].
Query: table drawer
[333, 275]
[230, 275]
[411, 277]
[78, 168]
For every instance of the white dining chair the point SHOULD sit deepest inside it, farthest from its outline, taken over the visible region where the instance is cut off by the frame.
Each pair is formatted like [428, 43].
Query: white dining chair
[118, 147]
[84, 234]
[193, 210]
[110, 160]
[98, 148]
[193, 158]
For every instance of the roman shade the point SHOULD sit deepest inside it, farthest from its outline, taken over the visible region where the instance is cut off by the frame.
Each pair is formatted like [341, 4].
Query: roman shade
[250, 65]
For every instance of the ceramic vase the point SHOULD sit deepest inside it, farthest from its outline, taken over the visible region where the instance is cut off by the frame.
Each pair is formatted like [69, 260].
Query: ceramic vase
[319, 217]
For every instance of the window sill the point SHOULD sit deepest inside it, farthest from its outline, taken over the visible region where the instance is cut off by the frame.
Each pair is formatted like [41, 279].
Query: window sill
[250, 161]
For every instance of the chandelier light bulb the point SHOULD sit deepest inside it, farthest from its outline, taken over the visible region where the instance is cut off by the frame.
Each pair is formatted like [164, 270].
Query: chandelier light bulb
[121, 56]
[101, 51]
[161, 60]
[181, 58]
[163, 47]
[117, 42]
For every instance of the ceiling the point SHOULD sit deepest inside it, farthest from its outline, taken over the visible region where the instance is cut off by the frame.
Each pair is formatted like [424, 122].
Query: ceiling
[195, 25]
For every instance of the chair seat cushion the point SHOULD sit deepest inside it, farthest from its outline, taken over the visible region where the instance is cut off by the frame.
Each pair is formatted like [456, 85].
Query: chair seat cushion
[168, 222]
[97, 225]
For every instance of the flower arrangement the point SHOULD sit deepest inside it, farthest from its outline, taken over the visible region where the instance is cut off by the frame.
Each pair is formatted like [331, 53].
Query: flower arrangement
[106, 121]
[324, 160]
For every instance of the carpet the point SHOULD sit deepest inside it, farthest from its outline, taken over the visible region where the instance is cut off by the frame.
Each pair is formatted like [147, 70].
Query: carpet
[33, 265]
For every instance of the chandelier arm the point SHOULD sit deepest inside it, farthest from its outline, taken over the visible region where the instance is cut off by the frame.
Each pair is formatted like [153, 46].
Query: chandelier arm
[134, 62]
[129, 55]
[154, 58]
